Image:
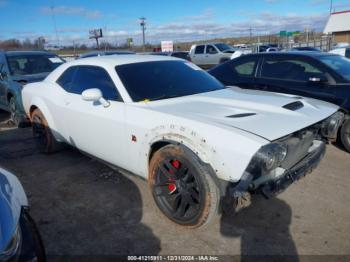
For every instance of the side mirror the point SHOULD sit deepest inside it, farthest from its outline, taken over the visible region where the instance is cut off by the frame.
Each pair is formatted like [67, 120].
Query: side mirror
[94, 95]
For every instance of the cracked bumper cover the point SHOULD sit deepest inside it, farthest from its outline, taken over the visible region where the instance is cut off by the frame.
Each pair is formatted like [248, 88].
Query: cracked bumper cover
[273, 187]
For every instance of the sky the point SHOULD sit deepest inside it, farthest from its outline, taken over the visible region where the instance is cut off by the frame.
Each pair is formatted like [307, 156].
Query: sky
[64, 21]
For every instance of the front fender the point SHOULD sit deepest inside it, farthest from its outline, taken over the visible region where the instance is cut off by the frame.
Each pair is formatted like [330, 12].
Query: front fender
[227, 153]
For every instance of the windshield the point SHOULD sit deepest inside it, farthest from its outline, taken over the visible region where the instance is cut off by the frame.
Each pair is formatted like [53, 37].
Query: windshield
[165, 79]
[29, 64]
[223, 47]
[339, 64]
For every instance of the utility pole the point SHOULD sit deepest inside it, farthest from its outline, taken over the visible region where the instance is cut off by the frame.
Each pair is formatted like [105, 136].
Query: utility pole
[143, 24]
[250, 35]
[331, 7]
[54, 22]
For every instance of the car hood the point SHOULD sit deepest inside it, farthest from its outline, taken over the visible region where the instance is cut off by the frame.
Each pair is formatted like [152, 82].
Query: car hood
[30, 78]
[265, 114]
[12, 198]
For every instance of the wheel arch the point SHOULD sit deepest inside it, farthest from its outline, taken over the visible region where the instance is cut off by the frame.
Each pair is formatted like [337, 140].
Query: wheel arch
[159, 144]
[39, 104]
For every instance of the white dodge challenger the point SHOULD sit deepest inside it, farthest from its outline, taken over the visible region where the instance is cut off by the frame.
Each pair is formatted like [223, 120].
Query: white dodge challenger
[197, 142]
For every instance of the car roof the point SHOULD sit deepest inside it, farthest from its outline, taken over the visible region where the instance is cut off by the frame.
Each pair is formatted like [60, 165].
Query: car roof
[106, 53]
[15, 53]
[115, 60]
[293, 53]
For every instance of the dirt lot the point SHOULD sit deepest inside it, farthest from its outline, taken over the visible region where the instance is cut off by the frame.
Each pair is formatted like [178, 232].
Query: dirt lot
[83, 207]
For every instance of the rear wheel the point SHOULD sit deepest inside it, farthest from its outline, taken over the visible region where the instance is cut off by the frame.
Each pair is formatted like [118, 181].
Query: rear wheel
[182, 187]
[345, 135]
[44, 139]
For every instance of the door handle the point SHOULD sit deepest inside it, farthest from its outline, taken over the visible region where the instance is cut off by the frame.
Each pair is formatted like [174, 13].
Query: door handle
[66, 102]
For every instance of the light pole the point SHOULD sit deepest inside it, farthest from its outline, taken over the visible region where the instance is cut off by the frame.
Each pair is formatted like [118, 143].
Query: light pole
[331, 7]
[142, 24]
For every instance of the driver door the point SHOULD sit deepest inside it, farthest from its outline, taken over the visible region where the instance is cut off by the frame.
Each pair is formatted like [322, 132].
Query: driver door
[89, 126]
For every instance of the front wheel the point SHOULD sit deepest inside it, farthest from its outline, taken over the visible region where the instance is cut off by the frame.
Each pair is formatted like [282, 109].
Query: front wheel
[182, 187]
[15, 117]
[345, 135]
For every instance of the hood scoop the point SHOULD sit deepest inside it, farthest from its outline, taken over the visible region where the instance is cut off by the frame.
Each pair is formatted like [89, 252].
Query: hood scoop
[294, 106]
[241, 115]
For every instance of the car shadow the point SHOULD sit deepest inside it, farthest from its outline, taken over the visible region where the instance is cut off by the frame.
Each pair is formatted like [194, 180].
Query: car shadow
[263, 228]
[338, 145]
[85, 211]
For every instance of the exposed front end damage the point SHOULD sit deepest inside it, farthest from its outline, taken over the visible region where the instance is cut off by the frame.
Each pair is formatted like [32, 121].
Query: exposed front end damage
[277, 165]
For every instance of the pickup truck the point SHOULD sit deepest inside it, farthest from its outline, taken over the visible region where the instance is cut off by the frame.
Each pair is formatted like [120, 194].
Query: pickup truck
[210, 54]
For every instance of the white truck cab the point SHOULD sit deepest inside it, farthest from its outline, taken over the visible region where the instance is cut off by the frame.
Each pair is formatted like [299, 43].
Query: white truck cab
[210, 54]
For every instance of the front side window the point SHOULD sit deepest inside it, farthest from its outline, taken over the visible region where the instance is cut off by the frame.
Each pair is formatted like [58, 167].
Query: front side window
[289, 69]
[30, 64]
[165, 79]
[199, 49]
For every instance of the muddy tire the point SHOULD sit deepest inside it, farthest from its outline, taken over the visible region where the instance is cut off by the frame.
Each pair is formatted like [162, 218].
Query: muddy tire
[182, 187]
[44, 139]
[345, 135]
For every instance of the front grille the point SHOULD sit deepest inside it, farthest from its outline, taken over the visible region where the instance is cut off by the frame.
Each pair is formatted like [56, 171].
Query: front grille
[298, 146]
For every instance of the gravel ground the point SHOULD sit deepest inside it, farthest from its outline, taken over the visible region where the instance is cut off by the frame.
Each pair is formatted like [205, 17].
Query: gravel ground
[83, 207]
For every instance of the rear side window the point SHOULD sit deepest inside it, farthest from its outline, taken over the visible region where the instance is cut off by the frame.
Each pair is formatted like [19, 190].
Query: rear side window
[347, 52]
[289, 69]
[199, 49]
[244, 67]
[66, 79]
[77, 79]
[211, 49]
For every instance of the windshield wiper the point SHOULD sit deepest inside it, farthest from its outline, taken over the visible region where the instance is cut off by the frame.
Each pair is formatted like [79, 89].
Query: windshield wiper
[164, 96]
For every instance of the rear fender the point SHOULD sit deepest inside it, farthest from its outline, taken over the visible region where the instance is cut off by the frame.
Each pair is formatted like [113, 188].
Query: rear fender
[40, 104]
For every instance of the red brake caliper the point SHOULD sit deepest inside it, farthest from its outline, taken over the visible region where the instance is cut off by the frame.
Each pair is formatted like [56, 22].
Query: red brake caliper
[171, 185]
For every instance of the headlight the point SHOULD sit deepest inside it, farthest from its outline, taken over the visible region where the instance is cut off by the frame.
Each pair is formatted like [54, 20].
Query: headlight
[271, 156]
[331, 125]
[12, 247]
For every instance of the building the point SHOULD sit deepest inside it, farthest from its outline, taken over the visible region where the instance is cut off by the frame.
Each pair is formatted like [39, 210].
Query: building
[338, 25]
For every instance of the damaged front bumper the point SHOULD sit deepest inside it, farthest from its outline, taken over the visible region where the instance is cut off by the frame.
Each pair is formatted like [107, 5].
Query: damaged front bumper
[270, 185]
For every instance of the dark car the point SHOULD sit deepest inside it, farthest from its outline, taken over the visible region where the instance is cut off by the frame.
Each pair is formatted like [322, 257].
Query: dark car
[102, 53]
[19, 237]
[317, 75]
[18, 68]
[306, 48]
[178, 54]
